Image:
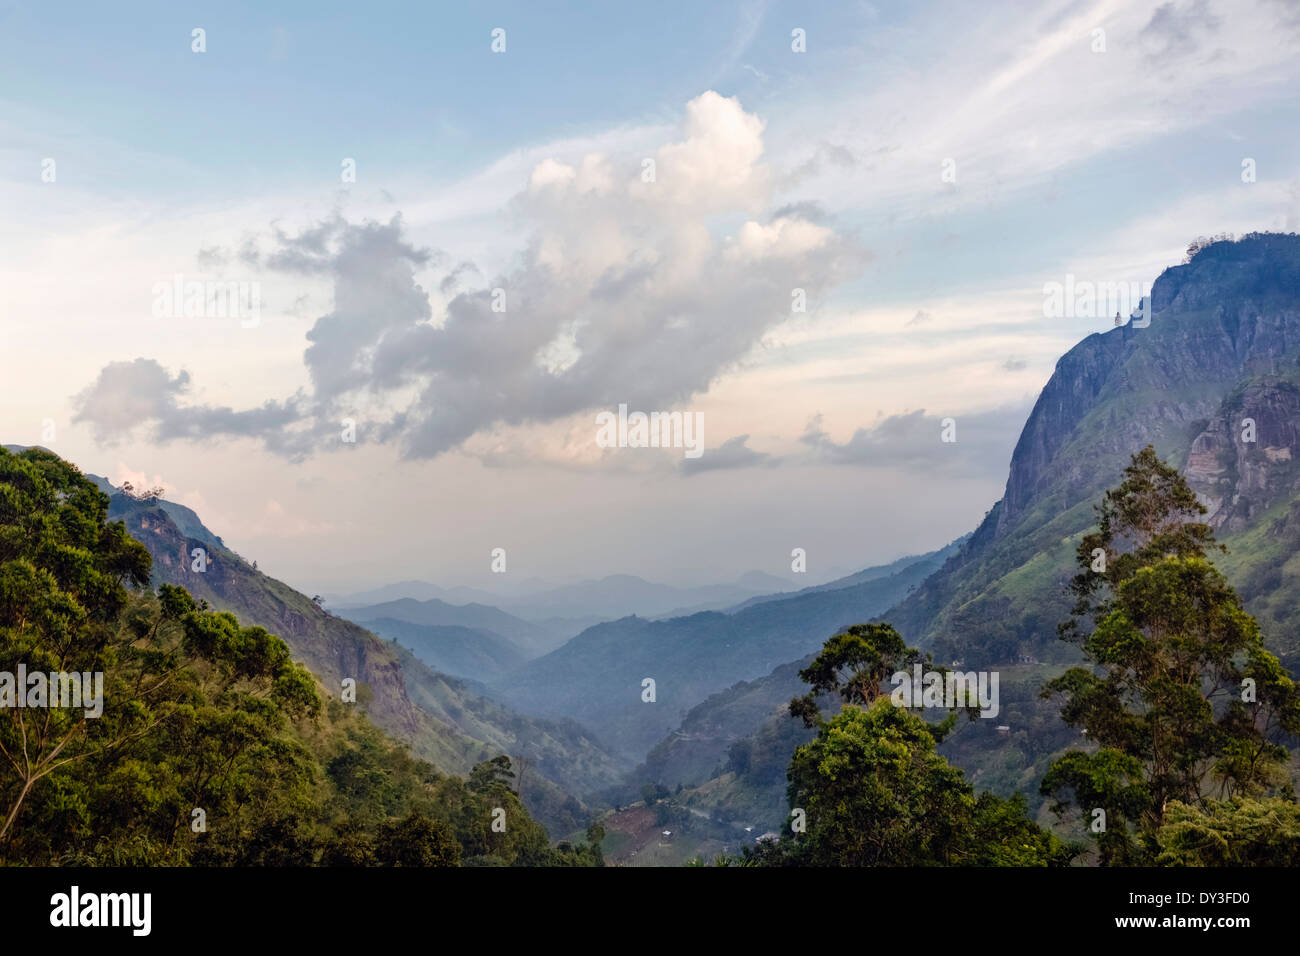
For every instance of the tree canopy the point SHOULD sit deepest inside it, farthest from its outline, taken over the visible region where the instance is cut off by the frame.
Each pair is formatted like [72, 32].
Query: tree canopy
[213, 746]
[1180, 700]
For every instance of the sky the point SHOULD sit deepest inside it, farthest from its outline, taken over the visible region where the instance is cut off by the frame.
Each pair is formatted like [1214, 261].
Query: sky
[457, 234]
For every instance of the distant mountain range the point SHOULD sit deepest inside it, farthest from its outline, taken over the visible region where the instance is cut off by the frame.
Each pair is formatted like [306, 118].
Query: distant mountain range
[585, 602]
[597, 677]
[528, 639]
[443, 718]
[462, 651]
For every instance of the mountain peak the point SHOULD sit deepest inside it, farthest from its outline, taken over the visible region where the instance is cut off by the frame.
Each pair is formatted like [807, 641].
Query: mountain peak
[1257, 265]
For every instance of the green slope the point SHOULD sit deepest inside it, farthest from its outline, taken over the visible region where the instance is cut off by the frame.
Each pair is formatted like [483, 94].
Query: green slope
[442, 718]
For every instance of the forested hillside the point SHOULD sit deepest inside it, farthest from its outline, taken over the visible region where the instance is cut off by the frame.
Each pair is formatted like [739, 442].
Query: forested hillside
[442, 718]
[213, 746]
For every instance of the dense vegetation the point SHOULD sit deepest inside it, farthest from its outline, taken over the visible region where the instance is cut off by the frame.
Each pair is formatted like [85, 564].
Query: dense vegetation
[214, 747]
[1186, 707]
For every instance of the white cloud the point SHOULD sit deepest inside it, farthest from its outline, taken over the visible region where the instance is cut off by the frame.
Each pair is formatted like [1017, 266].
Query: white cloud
[617, 296]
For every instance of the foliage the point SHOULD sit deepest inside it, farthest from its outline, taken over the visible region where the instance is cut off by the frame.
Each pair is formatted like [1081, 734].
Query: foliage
[871, 790]
[1237, 832]
[1182, 700]
[214, 747]
[877, 794]
[853, 664]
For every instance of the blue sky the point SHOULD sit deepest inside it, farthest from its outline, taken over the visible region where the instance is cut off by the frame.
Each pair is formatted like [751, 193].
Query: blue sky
[402, 85]
[820, 170]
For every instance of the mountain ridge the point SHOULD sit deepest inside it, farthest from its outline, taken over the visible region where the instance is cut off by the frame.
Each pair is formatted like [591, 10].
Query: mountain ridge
[597, 677]
[442, 718]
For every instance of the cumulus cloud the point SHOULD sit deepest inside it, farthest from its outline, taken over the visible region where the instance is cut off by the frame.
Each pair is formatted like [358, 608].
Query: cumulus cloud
[629, 288]
[732, 453]
[983, 445]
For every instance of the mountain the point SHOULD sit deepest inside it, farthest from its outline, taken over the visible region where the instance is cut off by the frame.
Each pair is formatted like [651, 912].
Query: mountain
[597, 677]
[698, 750]
[567, 609]
[1222, 351]
[545, 619]
[419, 590]
[1221, 356]
[622, 595]
[530, 639]
[460, 651]
[442, 718]
[862, 577]
[423, 591]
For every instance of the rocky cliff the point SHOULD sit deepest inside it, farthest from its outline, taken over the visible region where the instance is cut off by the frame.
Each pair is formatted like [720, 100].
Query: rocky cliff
[1212, 383]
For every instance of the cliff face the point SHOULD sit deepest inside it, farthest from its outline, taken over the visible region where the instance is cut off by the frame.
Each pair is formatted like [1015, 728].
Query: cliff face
[1244, 462]
[1223, 346]
[1229, 315]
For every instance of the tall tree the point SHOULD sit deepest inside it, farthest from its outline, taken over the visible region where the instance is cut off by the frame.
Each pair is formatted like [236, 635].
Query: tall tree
[852, 665]
[1181, 698]
[871, 788]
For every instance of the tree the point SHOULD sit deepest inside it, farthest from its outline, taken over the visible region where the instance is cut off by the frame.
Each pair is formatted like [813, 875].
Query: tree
[1203, 242]
[852, 665]
[876, 793]
[492, 776]
[739, 755]
[1237, 832]
[416, 841]
[1181, 699]
[873, 789]
[63, 576]
[652, 793]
